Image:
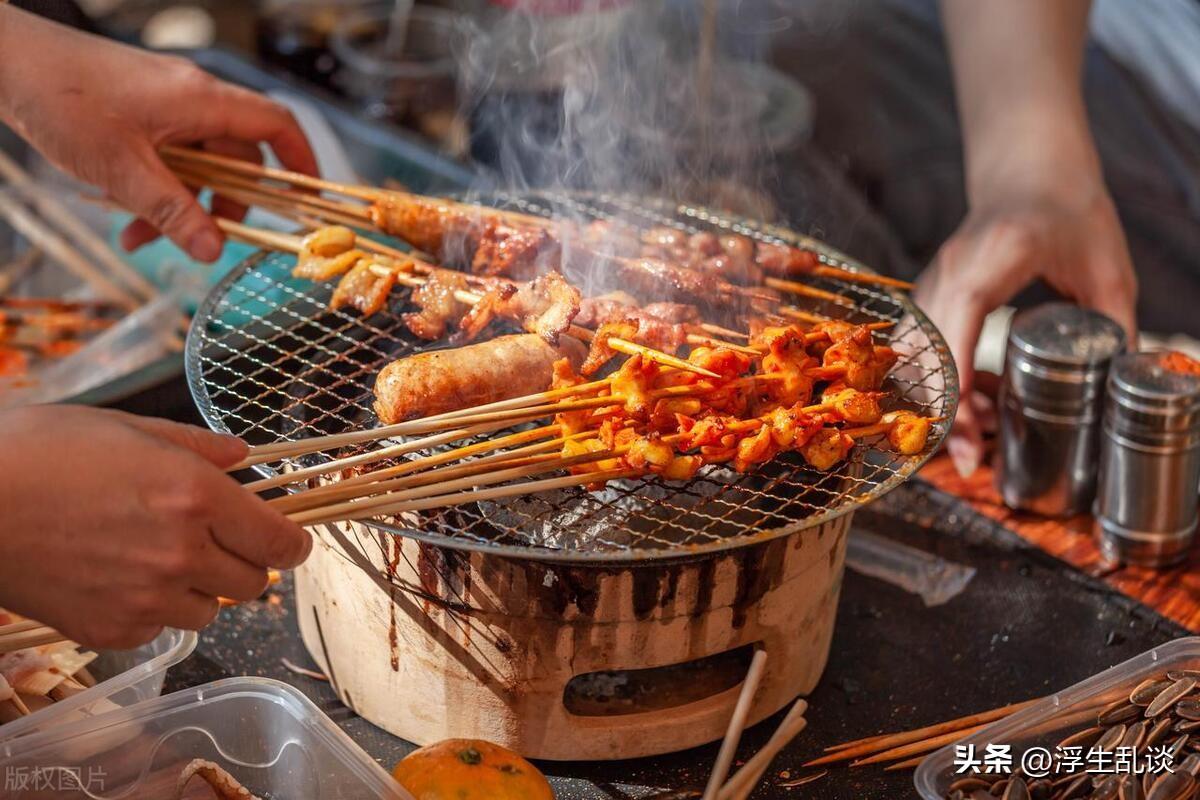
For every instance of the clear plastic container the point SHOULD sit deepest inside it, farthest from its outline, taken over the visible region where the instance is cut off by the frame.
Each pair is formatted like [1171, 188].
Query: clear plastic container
[1047, 723]
[123, 677]
[266, 734]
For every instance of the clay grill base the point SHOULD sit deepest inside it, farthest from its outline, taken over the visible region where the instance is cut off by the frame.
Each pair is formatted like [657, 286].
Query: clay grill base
[429, 642]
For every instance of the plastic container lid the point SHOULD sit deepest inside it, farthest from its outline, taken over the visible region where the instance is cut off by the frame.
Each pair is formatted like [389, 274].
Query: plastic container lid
[1047, 723]
[123, 678]
[268, 735]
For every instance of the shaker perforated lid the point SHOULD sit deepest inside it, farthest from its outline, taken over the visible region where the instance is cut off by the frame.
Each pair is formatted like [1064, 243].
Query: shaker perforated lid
[1065, 335]
[1057, 359]
[1156, 390]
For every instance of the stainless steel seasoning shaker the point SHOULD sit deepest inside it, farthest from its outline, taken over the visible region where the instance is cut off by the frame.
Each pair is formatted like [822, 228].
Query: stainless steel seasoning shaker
[1146, 506]
[1051, 396]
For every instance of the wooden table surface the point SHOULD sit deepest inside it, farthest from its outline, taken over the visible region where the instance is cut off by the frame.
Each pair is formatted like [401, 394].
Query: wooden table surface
[1174, 593]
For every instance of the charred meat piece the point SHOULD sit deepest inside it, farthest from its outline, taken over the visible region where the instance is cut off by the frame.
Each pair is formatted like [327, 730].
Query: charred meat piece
[595, 311]
[600, 353]
[515, 252]
[365, 288]
[784, 260]
[546, 306]
[427, 224]
[438, 306]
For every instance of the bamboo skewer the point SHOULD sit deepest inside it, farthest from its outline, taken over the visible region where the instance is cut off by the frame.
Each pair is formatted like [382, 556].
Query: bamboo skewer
[211, 166]
[909, 763]
[286, 208]
[383, 453]
[20, 626]
[32, 637]
[420, 426]
[737, 723]
[826, 271]
[279, 450]
[403, 477]
[284, 196]
[885, 742]
[795, 287]
[750, 775]
[40, 234]
[915, 748]
[293, 244]
[635, 349]
[16, 269]
[354, 509]
[511, 490]
[58, 214]
[172, 153]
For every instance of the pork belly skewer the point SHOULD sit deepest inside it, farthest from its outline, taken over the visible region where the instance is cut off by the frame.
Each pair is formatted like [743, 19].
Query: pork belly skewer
[495, 240]
[545, 305]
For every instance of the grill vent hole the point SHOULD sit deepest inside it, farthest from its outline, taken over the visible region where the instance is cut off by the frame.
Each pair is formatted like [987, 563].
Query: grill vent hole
[614, 693]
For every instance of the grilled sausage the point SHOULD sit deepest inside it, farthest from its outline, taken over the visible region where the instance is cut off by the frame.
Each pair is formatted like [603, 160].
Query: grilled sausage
[447, 380]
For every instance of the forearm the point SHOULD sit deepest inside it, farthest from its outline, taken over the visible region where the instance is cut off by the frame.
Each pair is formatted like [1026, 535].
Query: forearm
[1017, 71]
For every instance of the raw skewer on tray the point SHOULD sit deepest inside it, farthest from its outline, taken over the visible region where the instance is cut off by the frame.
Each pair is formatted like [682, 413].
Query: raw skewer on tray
[37, 667]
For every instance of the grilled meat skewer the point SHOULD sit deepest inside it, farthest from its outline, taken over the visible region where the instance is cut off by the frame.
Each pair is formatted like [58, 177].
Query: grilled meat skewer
[447, 380]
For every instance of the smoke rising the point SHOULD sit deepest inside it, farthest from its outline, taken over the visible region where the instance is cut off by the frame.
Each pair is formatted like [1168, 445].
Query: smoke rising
[629, 97]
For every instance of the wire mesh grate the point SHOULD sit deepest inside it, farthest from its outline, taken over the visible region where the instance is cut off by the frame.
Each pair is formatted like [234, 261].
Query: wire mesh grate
[267, 360]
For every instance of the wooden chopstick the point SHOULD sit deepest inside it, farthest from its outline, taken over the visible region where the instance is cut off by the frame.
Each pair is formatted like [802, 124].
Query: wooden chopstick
[743, 782]
[737, 723]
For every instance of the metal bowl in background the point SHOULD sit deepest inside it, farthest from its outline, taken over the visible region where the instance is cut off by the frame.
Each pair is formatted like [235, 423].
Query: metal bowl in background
[409, 86]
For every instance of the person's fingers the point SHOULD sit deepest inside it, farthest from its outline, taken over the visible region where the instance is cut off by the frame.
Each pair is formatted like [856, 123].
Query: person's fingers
[972, 275]
[219, 449]
[245, 151]
[255, 532]
[1113, 290]
[222, 574]
[238, 113]
[965, 443]
[138, 234]
[151, 191]
[190, 610]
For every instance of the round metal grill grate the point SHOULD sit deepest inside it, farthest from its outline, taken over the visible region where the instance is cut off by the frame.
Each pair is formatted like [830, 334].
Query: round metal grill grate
[267, 360]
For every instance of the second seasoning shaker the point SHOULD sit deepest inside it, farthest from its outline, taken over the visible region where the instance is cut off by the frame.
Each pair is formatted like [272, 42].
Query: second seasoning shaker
[1055, 367]
[1146, 509]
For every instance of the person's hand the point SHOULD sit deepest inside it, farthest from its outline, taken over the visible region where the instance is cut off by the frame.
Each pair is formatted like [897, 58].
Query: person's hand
[100, 111]
[113, 526]
[1065, 232]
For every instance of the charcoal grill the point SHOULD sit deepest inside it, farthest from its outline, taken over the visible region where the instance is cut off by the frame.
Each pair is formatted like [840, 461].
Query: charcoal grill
[570, 624]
